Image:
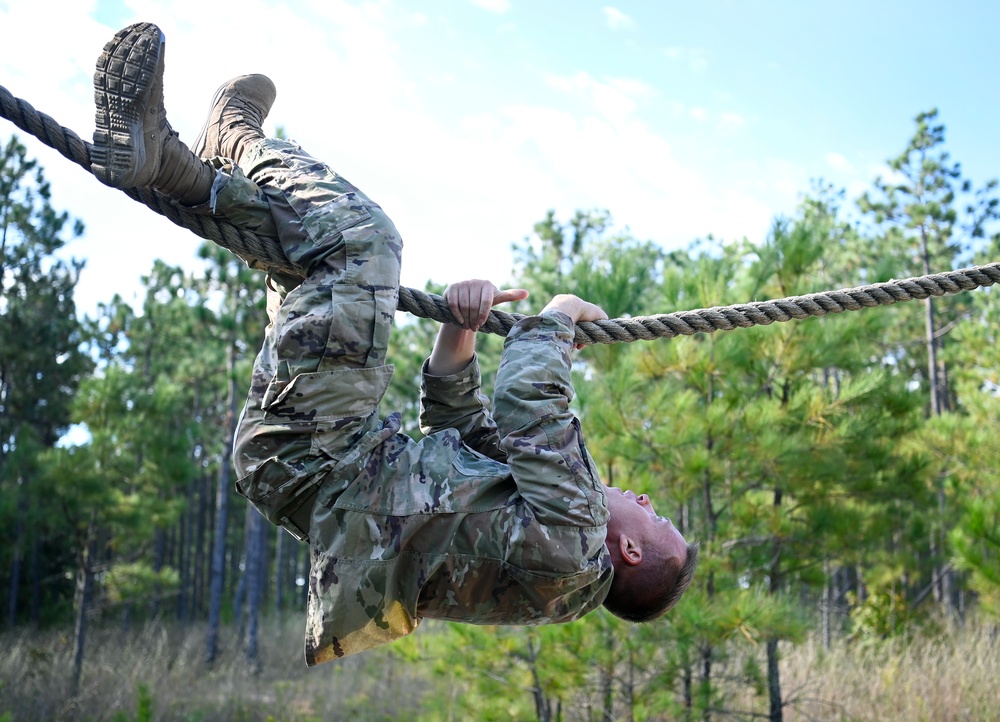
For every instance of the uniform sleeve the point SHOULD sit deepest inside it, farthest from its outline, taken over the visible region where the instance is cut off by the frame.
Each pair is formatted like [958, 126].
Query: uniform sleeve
[457, 402]
[541, 436]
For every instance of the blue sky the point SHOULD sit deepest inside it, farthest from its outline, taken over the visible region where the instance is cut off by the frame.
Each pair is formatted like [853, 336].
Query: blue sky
[468, 119]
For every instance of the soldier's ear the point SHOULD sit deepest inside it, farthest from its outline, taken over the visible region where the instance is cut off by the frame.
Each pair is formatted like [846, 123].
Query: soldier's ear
[629, 549]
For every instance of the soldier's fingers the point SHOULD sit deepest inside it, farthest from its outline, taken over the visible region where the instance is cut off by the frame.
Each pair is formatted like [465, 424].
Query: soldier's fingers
[452, 296]
[485, 304]
[467, 309]
[509, 294]
[592, 312]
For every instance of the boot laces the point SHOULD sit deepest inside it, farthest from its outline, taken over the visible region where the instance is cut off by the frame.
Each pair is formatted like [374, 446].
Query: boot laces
[246, 112]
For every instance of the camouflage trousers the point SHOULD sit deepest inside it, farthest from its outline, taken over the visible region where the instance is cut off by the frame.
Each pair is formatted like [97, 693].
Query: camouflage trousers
[321, 372]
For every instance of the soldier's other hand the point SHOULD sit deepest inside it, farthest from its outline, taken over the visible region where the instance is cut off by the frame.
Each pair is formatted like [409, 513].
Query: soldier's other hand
[470, 301]
[576, 308]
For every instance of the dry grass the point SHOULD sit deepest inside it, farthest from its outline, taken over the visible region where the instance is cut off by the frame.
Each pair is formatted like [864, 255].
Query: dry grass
[35, 674]
[945, 678]
[939, 679]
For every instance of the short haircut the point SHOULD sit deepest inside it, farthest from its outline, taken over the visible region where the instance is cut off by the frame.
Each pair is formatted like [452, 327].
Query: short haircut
[643, 593]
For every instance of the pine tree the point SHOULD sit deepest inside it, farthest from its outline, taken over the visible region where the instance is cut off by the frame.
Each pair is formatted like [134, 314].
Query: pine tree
[932, 218]
[40, 358]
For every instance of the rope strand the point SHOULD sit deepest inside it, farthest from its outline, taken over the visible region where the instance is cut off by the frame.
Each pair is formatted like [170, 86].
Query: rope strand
[263, 252]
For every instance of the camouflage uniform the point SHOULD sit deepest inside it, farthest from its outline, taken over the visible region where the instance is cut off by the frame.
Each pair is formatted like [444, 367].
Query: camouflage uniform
[481, 521]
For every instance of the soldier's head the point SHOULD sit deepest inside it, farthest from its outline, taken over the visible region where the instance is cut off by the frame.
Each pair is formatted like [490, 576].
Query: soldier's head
[653, 563]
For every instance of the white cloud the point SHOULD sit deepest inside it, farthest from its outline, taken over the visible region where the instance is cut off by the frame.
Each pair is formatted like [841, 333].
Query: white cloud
[838, 162]
[494, 6]
[855, 188]
[695, 58]
[122, 238]
[613, 98]
[584, 161]
[460, 189]
[616, 19]
[730, 122]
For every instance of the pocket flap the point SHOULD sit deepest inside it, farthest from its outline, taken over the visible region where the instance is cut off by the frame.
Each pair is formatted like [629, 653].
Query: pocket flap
[277, 491]
[266, 479]
[329, 395]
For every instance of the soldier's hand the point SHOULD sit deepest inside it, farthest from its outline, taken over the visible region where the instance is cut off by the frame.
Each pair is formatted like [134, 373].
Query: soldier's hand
[470, 301]
[576, 308]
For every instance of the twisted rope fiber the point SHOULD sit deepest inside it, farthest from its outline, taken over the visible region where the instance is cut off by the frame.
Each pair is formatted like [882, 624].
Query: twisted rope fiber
[264, 252]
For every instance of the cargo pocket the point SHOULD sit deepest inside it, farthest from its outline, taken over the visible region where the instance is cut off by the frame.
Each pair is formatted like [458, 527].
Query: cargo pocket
[277, 491]
[325, 202]
[326, 396]
[333, 216]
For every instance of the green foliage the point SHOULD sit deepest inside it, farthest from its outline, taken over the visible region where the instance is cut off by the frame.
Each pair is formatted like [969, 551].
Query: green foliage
[144, 708]
[138, 580]
[800, 455]
[618, 271]
[761, 444]
[927, 201]
[977, 547]
[881, 615]
[41, 362]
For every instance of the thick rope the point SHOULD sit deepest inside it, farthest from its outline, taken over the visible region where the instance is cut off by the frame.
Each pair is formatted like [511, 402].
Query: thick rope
[262, 252]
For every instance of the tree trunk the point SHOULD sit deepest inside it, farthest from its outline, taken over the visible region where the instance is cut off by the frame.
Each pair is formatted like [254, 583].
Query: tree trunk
[159, 552]
[775, 710]
[198, 588]
[942, 591]
[542, 710]
[218, 572]
[279, 570]
[237, 566]
[630, 688]
[933, 372]
[246, 563]
[84, 588]
[36, 583]
[608, 679]
[708, 532]
[184, 554]
[15, 569]
[705, 686]
[256, 579]
[687, 680]
[933, 377]
[250, 575]
[827, 611]
[303, 573]
[773, 671]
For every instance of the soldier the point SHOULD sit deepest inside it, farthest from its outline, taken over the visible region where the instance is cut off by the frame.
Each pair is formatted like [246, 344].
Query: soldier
[491, 518]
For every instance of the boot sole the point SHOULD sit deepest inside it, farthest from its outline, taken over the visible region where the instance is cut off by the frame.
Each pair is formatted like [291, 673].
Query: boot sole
[126, 71]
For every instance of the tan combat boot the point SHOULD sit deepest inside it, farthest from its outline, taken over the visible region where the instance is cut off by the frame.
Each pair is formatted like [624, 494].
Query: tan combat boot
[236, 116]
[134, 144]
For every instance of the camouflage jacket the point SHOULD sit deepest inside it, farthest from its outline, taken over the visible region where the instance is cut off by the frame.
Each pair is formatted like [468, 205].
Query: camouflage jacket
[481, 521]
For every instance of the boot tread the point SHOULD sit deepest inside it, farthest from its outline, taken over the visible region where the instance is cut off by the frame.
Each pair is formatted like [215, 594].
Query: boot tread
[127, 71]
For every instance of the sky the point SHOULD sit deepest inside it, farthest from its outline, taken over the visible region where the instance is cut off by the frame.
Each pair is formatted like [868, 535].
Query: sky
[467, 120]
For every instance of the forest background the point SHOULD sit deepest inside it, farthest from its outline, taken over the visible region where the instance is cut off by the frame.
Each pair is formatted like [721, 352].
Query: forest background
[840, 474]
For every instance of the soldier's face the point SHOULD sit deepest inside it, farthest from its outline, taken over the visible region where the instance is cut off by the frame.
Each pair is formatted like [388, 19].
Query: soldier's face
[633, 514]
